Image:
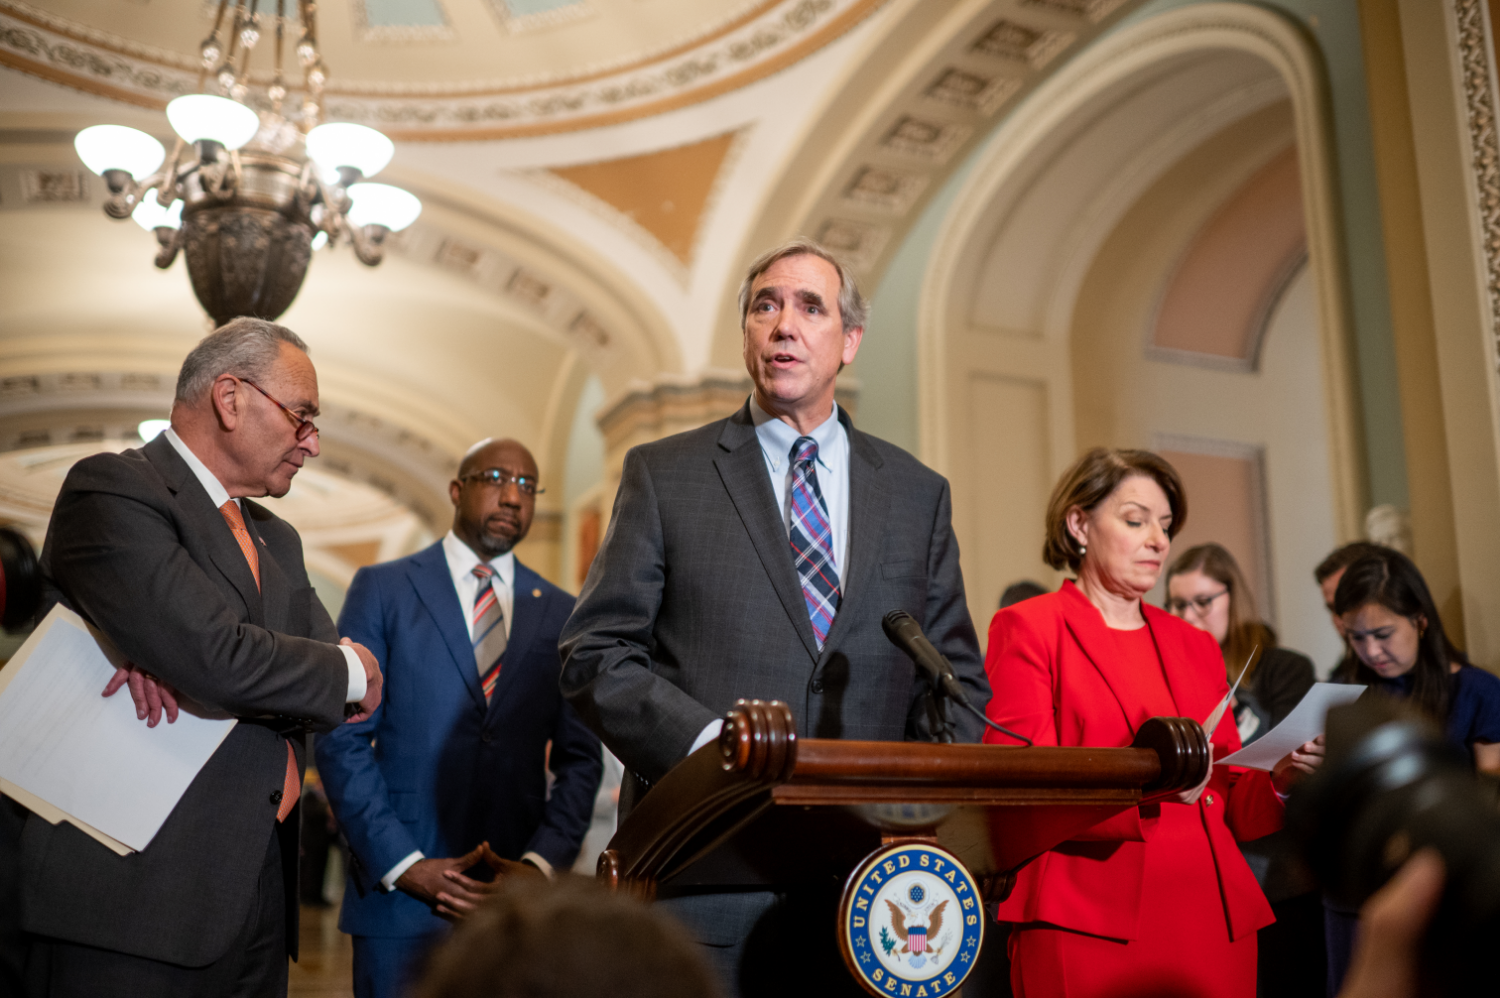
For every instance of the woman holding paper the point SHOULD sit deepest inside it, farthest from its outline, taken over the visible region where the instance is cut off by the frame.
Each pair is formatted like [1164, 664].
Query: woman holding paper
[1158, 899]
[1206, 588]
[1401, 650]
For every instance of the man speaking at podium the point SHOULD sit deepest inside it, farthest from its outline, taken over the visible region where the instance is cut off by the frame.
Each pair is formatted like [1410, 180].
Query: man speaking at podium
[755, 557]
[206, 592]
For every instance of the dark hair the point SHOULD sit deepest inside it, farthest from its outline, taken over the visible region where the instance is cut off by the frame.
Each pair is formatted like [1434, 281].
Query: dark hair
[1091, 479]
[566, 940]
[1246, 629]
[1020, 592]
[1389, 578]
[1343, 557]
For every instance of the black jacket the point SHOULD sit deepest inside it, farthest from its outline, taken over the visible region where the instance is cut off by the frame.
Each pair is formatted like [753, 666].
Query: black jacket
[137, 547]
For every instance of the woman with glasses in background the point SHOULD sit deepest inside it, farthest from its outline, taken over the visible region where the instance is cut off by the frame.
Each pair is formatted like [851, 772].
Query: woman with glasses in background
[1205, 588]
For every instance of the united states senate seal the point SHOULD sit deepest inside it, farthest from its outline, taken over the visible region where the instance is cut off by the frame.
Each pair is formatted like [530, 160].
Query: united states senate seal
[911, 921]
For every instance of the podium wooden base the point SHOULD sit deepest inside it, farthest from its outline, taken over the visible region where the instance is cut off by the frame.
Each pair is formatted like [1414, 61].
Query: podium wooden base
[762, 807]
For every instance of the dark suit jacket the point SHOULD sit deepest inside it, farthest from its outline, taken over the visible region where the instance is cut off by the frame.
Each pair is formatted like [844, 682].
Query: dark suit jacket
[1281, 680]
[436, 768]
[693, 602]
[136, 546]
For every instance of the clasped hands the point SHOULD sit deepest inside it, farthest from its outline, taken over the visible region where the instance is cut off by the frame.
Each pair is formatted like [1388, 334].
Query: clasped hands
[1302, 760]
[441, 882]
[154, 698]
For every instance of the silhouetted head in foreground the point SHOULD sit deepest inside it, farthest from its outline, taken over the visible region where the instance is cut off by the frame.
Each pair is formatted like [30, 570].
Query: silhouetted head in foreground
[571, 938]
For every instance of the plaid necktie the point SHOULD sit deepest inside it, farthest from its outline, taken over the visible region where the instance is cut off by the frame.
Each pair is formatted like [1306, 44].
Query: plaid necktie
[488, 630]
[291, 784]
[812, 540]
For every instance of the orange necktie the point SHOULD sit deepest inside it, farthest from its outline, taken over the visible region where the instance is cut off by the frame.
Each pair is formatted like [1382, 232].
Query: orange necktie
[291, 787]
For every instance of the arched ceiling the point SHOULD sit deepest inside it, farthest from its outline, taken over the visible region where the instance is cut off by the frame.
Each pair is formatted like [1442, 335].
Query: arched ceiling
[595, 173]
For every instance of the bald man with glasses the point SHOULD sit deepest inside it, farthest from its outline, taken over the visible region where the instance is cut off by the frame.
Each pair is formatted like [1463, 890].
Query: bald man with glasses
[451, 773]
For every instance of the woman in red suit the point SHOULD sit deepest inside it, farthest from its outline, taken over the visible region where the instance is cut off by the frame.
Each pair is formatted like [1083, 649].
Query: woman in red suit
[1156, 901]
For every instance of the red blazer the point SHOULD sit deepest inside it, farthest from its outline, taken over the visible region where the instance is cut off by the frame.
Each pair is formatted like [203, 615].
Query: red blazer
[1053, 668]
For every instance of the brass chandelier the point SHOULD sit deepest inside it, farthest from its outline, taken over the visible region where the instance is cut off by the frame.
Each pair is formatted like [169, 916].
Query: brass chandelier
[251, 187]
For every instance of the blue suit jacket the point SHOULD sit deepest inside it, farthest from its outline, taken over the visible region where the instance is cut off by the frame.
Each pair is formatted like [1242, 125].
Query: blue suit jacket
[435, 768]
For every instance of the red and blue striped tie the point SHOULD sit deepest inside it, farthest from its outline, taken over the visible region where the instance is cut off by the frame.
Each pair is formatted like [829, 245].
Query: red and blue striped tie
[812, 540]
[488, 630]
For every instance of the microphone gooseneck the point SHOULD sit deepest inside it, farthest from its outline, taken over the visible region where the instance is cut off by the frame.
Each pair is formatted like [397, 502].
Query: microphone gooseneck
[905, 633]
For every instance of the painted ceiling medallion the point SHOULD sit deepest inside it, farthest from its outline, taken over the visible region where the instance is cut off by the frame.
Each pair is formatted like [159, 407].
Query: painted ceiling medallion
[730, 46]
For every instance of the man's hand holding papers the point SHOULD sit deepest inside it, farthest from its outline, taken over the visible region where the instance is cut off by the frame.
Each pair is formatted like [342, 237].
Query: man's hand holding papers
[152, 696]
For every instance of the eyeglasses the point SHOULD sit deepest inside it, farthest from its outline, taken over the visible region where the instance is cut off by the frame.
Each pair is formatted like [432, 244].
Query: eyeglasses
[495, 478]
[1180, 607]
[305, 427]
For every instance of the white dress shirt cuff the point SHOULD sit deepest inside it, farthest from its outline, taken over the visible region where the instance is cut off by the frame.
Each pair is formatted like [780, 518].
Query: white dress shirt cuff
[707, 735]
[356, 676]
[389, 880]
[537, 860]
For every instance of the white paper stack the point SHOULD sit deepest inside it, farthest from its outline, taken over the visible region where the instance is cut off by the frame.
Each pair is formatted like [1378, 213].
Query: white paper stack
[1303, 724]
[68, 753]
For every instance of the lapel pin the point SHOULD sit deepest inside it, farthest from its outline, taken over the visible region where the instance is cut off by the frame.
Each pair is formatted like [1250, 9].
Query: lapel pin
[536, 592]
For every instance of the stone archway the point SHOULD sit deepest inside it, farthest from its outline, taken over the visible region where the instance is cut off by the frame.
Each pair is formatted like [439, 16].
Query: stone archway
[1005, 398]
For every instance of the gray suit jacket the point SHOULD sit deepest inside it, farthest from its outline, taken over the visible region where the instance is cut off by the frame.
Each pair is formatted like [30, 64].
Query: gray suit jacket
[693, 602]
[136, 546]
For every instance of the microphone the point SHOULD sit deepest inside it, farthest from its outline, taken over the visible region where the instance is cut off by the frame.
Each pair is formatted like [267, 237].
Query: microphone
[905, 633]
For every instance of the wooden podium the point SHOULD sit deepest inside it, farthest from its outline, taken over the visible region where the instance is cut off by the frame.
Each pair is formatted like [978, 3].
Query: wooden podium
[761, 806]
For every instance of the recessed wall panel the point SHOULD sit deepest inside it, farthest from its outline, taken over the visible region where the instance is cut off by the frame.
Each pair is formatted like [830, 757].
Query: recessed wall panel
[1006, 480]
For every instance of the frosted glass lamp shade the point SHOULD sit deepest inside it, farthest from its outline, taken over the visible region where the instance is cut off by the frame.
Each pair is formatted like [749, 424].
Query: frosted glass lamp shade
[204, 116]
[382, 204]
[342, 143]
[115, 147]
[150, 215]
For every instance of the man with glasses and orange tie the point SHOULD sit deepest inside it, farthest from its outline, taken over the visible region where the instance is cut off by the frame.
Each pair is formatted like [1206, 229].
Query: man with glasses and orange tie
[451, 772]
[206, 593]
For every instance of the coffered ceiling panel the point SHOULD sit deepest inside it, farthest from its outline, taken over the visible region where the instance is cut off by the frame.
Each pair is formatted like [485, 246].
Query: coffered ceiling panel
[665, 193]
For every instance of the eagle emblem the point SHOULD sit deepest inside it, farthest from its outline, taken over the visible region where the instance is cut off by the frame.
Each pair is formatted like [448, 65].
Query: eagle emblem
[911, 914]
[914, 938]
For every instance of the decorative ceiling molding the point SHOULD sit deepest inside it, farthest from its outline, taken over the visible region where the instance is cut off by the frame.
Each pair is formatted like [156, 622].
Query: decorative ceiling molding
[546, 297]
[1094, 10]
[404, 34]
[907, 118]
[518, 24]
[770, 37]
